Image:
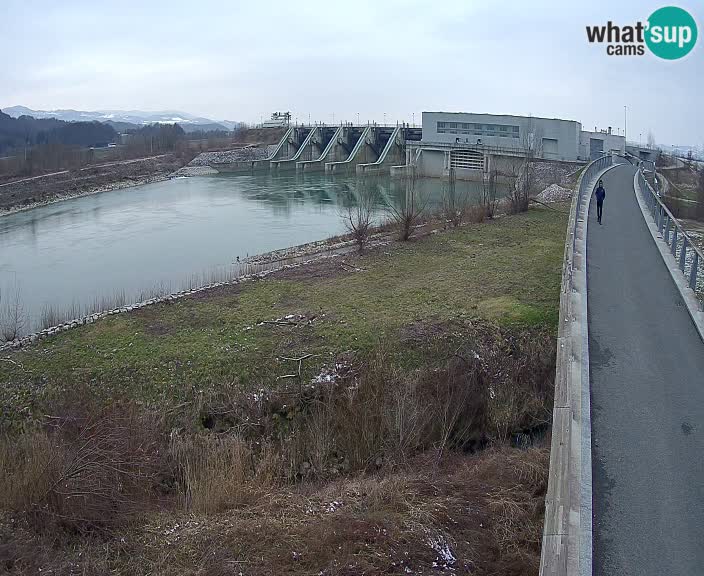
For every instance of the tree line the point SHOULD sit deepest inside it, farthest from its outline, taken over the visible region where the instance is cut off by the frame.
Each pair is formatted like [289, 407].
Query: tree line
[19, 134]
[35, 146]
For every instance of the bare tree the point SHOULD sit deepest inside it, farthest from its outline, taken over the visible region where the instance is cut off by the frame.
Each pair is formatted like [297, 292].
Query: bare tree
[454, 202]
[12, 316]
[407, 214]
[358, 216]
[525, 176]
[651, 140]
[489, 193]
[510, 172]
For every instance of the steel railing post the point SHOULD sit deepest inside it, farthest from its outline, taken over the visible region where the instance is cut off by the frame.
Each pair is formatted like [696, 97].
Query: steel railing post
[674, 242]
[693, 273]
[667, 230]
[683, 253]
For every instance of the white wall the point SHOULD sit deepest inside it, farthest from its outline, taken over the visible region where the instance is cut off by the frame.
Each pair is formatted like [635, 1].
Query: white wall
[565, 132]
[611, 142]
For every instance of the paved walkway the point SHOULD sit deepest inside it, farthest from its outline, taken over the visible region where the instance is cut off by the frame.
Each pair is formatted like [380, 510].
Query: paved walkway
[647, 386]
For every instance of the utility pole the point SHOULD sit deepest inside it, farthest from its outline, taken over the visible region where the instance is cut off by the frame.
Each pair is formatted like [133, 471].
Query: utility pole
[414, 119]
[384, 118]
[357, 118]
[624, 124]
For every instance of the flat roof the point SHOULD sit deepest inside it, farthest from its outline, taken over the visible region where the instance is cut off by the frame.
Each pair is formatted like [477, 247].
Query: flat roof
[498, 115]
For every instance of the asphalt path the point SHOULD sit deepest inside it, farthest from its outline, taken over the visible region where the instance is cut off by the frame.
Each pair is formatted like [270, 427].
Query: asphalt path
[647, 390]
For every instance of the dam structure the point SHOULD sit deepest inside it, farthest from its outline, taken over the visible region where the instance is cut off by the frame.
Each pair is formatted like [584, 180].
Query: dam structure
[467, 145]
[345, 149]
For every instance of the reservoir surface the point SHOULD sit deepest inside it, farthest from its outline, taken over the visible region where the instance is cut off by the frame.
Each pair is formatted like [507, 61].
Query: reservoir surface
[69, 257]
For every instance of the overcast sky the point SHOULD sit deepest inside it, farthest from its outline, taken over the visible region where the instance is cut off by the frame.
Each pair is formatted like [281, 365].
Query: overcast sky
[242, 60]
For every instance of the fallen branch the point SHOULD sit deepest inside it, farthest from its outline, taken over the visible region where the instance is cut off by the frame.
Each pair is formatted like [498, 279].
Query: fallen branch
[12, 362]
[300, 368]
[350, 267]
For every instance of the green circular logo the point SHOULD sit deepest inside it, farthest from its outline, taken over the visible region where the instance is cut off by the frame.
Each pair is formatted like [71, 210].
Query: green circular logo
[670, 33]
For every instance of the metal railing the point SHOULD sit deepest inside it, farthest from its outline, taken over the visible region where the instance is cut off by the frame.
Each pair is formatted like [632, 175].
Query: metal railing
[585, 185]
[689, 257]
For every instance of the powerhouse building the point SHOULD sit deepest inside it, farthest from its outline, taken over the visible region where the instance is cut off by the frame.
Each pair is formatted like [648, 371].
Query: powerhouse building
[467, 141]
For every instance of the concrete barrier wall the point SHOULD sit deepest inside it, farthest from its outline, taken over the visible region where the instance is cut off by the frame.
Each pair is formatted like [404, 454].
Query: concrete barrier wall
[567, 533]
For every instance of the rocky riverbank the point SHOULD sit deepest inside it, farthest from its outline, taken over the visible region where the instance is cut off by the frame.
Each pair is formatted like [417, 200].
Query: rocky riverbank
[207, 162]
[31, 193]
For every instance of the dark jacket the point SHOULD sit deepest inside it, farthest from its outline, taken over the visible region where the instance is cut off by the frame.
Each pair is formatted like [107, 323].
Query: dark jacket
[600, 194]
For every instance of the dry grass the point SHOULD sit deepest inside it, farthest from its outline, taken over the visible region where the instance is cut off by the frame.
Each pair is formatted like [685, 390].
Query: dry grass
[383, 469]
[478, 514]
[85, 473]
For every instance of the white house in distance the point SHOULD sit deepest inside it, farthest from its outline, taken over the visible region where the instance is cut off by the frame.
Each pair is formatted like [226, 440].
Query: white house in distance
[471, 142]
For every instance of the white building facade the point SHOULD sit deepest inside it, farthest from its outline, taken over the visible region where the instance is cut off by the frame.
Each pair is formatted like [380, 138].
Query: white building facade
[470, 142]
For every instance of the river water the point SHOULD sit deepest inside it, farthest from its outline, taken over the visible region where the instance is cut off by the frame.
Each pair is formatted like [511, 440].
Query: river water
[64, 259]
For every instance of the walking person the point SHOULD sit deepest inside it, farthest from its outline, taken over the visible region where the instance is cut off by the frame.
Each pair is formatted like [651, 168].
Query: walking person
[600, 195]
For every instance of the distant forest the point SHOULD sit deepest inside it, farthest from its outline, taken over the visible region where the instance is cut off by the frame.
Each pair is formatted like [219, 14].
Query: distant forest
[30, 146]
[26, 131]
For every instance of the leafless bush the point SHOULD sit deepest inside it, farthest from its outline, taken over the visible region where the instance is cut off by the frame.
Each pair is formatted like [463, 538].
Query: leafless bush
[476, 214]
[85, 473]
[407, 215]
[521, 173]
[489, 202]
[358, 216]
[12, 315]
[454, 202]
[517, 202]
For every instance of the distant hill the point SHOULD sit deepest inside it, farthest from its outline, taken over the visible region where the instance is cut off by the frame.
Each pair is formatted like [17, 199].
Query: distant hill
[118, 118]
[17, 133]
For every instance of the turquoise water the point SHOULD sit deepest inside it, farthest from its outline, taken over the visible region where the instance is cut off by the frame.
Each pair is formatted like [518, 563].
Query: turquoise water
[72, 255]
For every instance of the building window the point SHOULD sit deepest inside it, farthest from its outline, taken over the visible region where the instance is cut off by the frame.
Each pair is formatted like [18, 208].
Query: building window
[490, 130]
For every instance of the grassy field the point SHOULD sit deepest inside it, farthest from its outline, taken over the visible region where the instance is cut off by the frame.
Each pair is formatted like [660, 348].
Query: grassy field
[182, 439]
[507, 271]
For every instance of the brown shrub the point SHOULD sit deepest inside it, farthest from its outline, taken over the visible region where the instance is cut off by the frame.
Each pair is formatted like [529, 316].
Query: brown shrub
[86, 473]
[215, 473]
[478, 213]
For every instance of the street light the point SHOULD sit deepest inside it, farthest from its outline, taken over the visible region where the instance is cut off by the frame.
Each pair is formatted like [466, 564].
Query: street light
[357, 118]
[384, 118]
